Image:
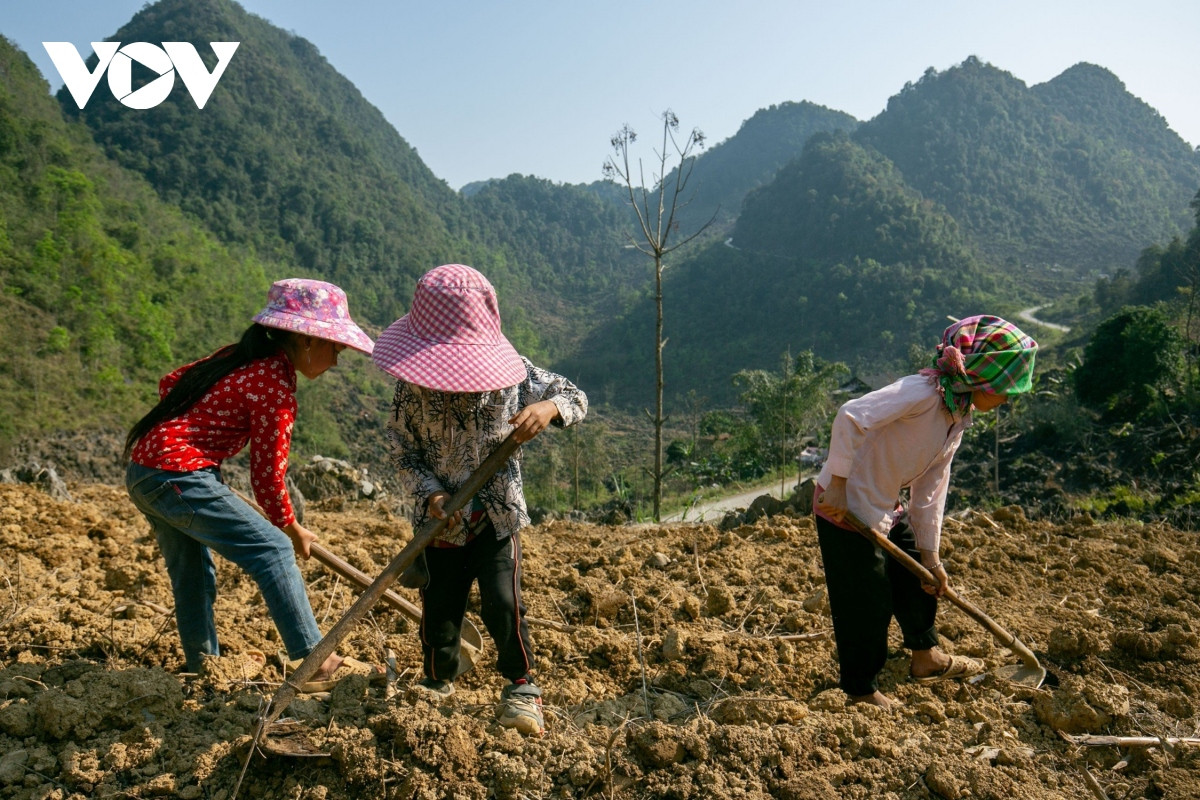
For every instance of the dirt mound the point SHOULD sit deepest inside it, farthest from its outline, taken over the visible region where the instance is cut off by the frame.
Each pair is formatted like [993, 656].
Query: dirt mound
[677, 661]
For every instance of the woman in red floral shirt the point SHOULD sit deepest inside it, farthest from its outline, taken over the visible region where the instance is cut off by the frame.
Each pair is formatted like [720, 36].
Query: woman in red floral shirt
[243, 394]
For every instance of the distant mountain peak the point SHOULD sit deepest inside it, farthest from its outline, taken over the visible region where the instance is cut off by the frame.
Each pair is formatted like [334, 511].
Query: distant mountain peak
[1091, 73]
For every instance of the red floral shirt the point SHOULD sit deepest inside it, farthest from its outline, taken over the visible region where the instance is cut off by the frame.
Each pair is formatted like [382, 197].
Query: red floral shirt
[254, 404]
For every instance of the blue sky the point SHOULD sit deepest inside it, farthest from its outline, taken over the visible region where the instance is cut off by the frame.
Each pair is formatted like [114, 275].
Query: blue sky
[486, 89]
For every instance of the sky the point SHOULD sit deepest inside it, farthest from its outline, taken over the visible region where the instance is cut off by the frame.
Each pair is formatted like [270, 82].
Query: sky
[487, 89]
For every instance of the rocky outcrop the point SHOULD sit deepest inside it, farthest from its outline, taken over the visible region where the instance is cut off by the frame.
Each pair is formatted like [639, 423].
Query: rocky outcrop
[44, 477]
[325, 478]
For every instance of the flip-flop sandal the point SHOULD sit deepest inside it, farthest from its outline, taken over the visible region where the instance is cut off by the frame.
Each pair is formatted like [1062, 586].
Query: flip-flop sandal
[960, 667]
[349, 666]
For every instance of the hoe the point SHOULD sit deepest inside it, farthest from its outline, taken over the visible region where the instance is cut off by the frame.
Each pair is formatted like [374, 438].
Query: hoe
[1029, 672]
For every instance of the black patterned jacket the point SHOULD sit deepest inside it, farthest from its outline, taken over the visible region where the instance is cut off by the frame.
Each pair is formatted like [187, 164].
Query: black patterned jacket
[438, 438]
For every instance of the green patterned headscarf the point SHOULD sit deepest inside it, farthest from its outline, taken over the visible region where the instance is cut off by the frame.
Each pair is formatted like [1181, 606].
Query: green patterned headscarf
[981, 353]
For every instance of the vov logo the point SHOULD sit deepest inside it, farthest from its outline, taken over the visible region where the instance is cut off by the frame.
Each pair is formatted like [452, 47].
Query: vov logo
[172, 57]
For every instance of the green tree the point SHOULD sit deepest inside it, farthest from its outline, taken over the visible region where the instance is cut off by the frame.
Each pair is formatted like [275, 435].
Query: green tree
[1133, 358]
[787, 404]
[1189, 270]
[656, 209]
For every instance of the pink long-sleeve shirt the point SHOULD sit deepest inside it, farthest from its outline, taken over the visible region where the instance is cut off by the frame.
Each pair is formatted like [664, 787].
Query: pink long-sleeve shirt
[899, 436]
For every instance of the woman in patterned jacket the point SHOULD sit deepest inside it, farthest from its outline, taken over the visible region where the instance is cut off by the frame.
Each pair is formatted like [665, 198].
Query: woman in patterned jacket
[244, 393]
[905, 436]
[461, 390]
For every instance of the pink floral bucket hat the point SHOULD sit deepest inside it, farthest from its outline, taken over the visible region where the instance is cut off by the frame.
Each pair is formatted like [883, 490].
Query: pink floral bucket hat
[450, 340]
[314, 308]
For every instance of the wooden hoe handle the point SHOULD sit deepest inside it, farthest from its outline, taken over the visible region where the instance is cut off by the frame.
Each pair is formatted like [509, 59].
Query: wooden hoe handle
[1002, 636]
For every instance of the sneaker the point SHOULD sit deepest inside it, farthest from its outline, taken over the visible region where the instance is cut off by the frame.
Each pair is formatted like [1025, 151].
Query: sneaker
[521, 708]
[431, 690]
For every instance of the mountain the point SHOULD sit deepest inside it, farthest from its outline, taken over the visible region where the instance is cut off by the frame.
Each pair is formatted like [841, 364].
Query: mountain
[725, 173]
[286, 158]
[837, 255]
[1075, 172]
[570, 241]
[960, 196]
[103, 285]
[971, 192]
[842, 201]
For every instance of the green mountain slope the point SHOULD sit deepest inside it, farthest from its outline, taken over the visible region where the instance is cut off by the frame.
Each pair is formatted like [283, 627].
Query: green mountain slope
[569, 245]
[102, 285]
[725, 173]
[837, 256]
[970, 193]
[1075, 172]
[286, 158]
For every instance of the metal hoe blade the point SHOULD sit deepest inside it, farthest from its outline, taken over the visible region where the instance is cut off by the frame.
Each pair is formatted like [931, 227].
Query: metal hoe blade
[1031, 675]
[290, 739]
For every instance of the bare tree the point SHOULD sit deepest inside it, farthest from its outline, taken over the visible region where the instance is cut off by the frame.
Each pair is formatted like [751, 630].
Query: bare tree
[694, 405]
[656, 206]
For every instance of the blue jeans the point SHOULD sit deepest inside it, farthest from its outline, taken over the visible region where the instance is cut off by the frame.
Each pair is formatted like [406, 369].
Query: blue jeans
[193, 513]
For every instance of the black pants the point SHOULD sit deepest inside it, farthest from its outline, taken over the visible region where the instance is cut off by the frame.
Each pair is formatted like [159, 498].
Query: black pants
[496, 564]
[866, 589]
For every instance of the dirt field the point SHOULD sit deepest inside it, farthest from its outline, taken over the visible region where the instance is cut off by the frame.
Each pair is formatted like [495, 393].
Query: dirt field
[674, 677]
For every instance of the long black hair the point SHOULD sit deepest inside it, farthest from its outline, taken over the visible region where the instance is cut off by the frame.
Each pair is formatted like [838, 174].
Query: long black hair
[257, 342]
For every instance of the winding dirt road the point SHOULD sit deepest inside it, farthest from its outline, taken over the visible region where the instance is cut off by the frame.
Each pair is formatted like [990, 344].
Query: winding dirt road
[708, 510]
[1028, 316]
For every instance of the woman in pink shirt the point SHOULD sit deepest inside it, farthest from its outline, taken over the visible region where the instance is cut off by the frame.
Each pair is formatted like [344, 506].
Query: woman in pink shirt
[905, 436]
[243, 394]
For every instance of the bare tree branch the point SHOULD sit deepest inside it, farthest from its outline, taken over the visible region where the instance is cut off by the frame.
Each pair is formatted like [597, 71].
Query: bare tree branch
[657, 225]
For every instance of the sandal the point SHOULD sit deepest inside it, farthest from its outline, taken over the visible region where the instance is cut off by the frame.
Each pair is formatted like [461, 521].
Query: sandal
[960, 667]
[349, 666]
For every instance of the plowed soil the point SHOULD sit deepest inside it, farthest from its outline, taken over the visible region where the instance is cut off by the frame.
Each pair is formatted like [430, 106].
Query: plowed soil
[677, 661]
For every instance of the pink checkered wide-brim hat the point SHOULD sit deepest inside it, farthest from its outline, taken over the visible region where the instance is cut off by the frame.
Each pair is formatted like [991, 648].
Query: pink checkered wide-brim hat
[450, 340]
[314, 308]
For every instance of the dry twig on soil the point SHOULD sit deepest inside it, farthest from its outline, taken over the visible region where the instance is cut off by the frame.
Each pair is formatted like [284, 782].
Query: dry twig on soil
[1099, 740]
[612, 740]
[1094, 785]
[641, 657]
[565, 627]
[14, 607]
[802, 637]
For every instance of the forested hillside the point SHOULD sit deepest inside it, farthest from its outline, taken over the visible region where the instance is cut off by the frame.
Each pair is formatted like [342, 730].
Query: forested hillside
[102, 284]
[288, 159]
[729, 170]
[570, 244]
[971, 192]
[1075, 172]
[837, 256]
